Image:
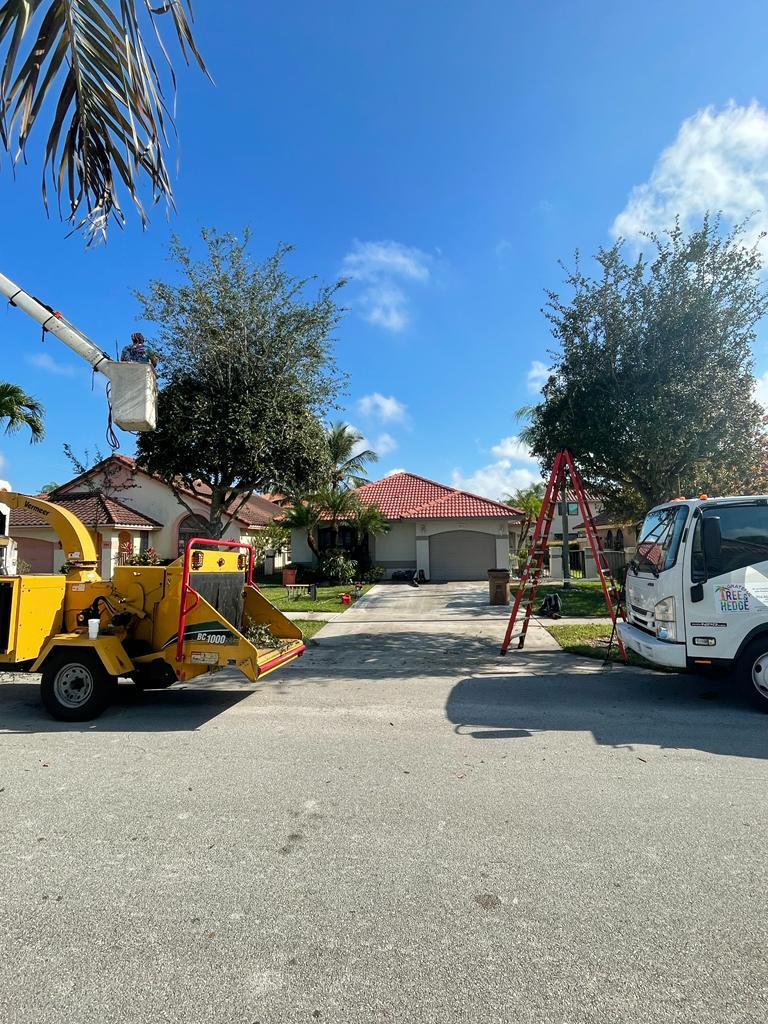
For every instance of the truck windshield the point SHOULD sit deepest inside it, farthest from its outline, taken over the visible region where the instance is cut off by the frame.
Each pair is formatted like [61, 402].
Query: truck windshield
[660, 539]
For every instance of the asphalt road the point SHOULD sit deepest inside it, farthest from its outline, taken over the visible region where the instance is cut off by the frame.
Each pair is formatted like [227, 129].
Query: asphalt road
[400, 827]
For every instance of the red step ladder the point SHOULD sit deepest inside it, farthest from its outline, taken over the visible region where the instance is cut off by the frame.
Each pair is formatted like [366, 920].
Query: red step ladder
[563, 468]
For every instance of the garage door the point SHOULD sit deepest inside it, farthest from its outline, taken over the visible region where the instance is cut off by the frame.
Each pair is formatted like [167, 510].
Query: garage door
[461, 555]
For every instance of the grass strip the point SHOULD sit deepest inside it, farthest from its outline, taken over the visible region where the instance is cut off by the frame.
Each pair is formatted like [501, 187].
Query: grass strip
[591, 641]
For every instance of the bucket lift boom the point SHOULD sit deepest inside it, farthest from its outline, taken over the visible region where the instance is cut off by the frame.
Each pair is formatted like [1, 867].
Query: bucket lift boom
[134, 388]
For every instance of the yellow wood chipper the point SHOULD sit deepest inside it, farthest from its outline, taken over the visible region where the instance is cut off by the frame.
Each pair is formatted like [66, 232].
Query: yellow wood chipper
[152, 624]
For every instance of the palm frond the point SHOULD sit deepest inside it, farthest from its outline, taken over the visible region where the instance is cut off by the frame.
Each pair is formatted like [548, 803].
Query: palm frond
[110, 123]
[20, 409]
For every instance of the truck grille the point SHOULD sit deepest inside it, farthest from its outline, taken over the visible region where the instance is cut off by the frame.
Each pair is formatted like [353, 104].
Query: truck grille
[643, 618]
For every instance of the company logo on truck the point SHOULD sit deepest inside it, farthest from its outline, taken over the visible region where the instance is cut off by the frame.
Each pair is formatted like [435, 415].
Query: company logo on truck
[732, 597]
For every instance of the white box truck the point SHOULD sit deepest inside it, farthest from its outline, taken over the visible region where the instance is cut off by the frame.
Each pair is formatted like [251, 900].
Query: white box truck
[697, 588]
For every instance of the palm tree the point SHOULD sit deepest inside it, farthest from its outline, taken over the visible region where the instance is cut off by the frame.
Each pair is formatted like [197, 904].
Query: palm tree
[93, 64]
[21, 410]
[348, 465]
[529, 500]
[367, 521]
[305, 514]
[337, 508]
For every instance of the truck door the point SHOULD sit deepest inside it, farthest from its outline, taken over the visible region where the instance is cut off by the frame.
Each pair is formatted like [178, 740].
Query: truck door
[727, 595]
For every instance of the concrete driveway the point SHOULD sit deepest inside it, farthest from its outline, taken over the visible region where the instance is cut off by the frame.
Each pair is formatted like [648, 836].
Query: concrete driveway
[400, 827]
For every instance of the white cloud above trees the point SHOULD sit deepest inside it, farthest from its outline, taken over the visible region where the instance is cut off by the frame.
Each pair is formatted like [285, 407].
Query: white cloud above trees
[717, 162]
[378, 406]
[384, 269]
[513, 468]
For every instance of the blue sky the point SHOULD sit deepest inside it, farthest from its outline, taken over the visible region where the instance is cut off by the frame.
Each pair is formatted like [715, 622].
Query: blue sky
[444, 155]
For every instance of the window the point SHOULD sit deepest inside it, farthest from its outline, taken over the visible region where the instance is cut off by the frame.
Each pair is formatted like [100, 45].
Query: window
[609, 540]
[619, 542]
[189, 527]
[660, 538]
[744, 536]
[573, 508]
[343, 537]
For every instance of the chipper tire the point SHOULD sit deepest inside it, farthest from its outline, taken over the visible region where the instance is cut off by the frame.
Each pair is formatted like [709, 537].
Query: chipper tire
[75, 686]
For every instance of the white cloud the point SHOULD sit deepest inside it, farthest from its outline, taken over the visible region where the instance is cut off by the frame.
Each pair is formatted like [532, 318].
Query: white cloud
[370, 261]
[718, 162]
[384, 444]
[44, 361]
[495, 480]
[382, 267]
[378, 406]
[514, 468]
[761, 390]
[393, 471]
[538, 373]
[511, 448]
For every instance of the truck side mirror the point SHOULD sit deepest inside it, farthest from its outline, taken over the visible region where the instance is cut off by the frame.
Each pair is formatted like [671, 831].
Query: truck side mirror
[711, 542]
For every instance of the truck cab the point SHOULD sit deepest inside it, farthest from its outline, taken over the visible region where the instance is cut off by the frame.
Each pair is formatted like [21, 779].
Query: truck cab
[697, 588]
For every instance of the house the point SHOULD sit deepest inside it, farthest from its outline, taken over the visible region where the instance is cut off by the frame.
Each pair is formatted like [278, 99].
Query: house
[128, 511]
[446, 533]
[618, 539]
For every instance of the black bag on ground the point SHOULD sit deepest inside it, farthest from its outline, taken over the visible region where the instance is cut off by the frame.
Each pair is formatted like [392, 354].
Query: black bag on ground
[551, 606]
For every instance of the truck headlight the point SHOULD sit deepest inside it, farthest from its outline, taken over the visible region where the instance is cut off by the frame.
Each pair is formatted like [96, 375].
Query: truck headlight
[664, 613]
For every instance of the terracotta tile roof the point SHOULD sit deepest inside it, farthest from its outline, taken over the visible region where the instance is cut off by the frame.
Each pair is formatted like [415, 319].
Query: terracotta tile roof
[258, 511]
[91, 509]
[408, 496]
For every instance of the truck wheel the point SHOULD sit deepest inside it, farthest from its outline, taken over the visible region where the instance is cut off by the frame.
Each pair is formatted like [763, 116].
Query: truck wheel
[75, 686]
[752, 672]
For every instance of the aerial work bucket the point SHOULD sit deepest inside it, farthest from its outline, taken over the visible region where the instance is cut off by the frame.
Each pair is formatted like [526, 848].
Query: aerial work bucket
[134, 394]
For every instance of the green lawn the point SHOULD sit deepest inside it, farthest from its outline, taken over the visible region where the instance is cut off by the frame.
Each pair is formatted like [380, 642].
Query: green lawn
[310, 626]
[583, 600]
[591, 641]
[328, 599]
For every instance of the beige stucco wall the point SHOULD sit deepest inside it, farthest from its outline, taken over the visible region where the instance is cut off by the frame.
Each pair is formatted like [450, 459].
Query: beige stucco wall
[406, 544]
[154, 499]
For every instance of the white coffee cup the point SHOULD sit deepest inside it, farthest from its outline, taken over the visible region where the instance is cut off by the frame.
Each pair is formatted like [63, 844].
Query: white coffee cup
[93, 628]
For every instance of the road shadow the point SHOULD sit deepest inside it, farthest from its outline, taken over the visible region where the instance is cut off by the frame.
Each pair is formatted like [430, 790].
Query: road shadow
[182, 708]
[620, 706]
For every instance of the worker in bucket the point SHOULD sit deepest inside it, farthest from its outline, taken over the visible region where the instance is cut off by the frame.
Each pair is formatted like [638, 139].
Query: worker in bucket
[138, 351]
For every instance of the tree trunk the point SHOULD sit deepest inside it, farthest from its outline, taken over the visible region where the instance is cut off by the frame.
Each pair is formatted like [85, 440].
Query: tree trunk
[312, 545]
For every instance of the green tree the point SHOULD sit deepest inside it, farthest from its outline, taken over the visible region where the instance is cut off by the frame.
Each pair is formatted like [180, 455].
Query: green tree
[652, 386]
[529, 500]
[348, 462]
[366, 521]
[338, 507]
[247, 373]
[275, 536]
[18, 409]
[93, 66]
[305, 515]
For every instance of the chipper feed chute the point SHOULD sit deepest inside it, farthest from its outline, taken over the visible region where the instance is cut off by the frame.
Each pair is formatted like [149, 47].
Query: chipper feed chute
[213, 617]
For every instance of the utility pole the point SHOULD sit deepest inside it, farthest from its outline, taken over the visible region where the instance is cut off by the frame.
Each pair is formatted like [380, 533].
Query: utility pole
[566, 540]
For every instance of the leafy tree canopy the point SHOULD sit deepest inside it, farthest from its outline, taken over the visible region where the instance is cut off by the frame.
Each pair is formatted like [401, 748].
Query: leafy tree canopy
[247, 372]
[652, 387]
